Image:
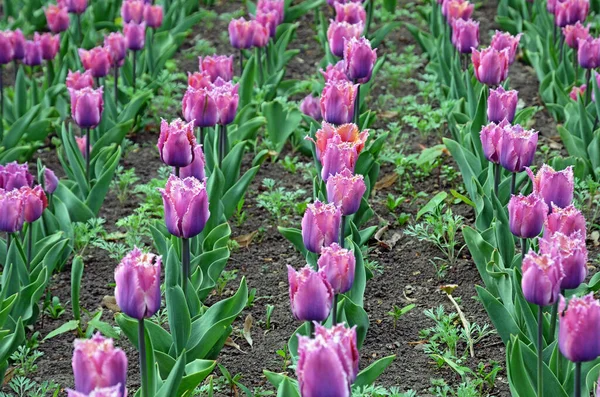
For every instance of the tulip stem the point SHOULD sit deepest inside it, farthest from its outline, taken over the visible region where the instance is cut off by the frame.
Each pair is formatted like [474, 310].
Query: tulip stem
[79, 32]
[369, 17]
[523, 247]
[134, 59]
[540, 364]
[260, 68]
[29, 245]
[201, 135]
[185, 254]
[577, 379]
[241, 62]
[142, 346]
[334, 310]
[16, 67]
[553, 317]
[513, 183]
[116, 85]
[342, 230]
[311, 329]
[588, 91]
[496, 178]
[8, 241]
[87, 155]
[1, 102]
[177, 172]
[561, 46]
[222, 142]
[357, 105]
[575, 66]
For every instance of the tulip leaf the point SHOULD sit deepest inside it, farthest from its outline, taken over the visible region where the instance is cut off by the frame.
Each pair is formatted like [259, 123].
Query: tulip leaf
[179, 317]
[196, 371]
[19, 127]
[520, 384]
[281, 123]
[503, 321]
[246, 87]
[433, 204]
[552, 387]
[288, 389]
[232, 197]
[76, 274]
[171, 385]
[105, 175]
[369, 375]
[356, 315]
[69, 326]
[294, 236]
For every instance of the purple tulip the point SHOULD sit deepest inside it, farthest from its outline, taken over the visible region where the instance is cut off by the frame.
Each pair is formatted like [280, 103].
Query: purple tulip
[490, 65]
[260, 34]
[196, 168]
[98, 364]
[350, 12]
[518, 148]
[311, 295]
[337, 102]
[74, 6]
[577, 92]
[346, 345]
[199, 80]
[338, 264]
[575, 32]
[49, 44]
[578, 328]
[78, 81]
[50, 181]
[571, 253]
[339, 32]
[502, 105]
[186, 206]
[241, 33]
[491, 140]
[81, 144]
[199, 107]
[457, 9]
[57, 18]
[132, 10]
[135, 35]
[153, 15]
[137, 289]
[569, 12]
[346, 132]
[310, 107]
[225, 95]
[359, 59]
[526, 215]
[87, 106]
[504, 40]
[338, 156]
[33, 53]
[566, 220]
[18, 44]
[34, 202]
[346, 191]
[588, 53]
[176, 143]
[465, 35]
[277, 6]
[116, 44]
[555, 187]
[550, 6]
[97, 60]
[269, 20]
[113, 391]
[12, 210]
[335, 72]
[332, 2]
[320, 226]
[542, 276]
[14, 176]
[217, 66]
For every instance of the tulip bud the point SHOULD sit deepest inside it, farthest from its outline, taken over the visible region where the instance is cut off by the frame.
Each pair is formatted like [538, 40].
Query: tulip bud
[12, 208]
[137, 280]
[81, 144]
[347, 133]
[339, 32]
[491, 140]
[550, 6]
[335, 72]
[153, 15]
[135, 35]
[310, 107]
[76, 6]
[176, 143]
[569, 12]
[14, 176]
[503, 40]
[241, 33]
[465, 35]
[132, 10]
[518, 148]
[577, 92]
[34, 202]
[578, 328]
[33, 53]
[269, 20]
[502, 105]
[457, 9]
[346, 191]
[57, 18]
[542, 276]
[199, 80]
[490, 65]
[276, 6]
[575, 32]
[311, 295]
[350, 12]
[196, 168]
[18, 44]
[338, 264]
[87, 106]
[186, 206]
[50, 181]
[78, 81]
[225, 95]
[571, 253]
[337, 102]
[320, 226]
[113, 391]
[344, 340]
[260, 34]
[199, 107]
[566, 220]
[526, 215]
[97, 60]
[116, 45]
[555, 187]
[588, 53]
[338, 156]
[49, 45]
[217, 66]
[359, 59]
[98, 364]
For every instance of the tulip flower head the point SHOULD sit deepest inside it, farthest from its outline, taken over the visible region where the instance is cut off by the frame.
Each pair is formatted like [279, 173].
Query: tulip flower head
[578, 328]
[6, 47]
[490, 65]
[14, 176]
[350, 12]
[200, 107]
[337, 102]
[18, 44]
[588, 53]
[87, 106]
[311, 295]
[338, 156]
[98, 364]
[347, 133]
[226, 97]
[577, 92]
[176, 143]
[276, 6]
[542, 276]
[339, 32]
[502, 105]
[12, 208]
[566, 220]
[75, 6]
[518, 148]
[196, 168]
[457, 9]
[116, 44]
[571, 253]
[338, 264]
[260, 34]
[186, 206]
[97, 60]
[198, 80]
[57, 18]
[241, 33]
[310, 106]
[359, 59]
[575, 32]
[527, 215]
[78, 80]
[49, 45]
[33, 53]
[320, 226]
[135, 35]
[34, 202]
[346, 191]
[217, 66]
[335, 72]
[550, 6]
[465, 35]
[132, 11]
[137, 279]
[568, 12]
[346, 344]
[113, 391]
[504, 40]
[81, 144]
[269, 20]
[555, 187]
[153, 15]
[50, 181]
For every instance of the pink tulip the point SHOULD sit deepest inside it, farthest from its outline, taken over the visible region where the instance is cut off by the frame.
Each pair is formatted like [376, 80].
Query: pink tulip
[113, 391]
[241, 33]
[578, 328]
[339, 32]
[350, 12]
[338, 264]
[346, 191]
[465, 35]
[97, 60]
[588, 53]
[502, 105]
[337, 157]
[50, 181]
[575, 32]
[75, 6]
[359, 59]
[225, 95]
[12, 208]
[14, 176]
[347, 133]
[135, 35]
[572, 254]
[87, 106]
[198, 80]
[490, 65]
[196, 168]
[566, 220]
[527, 215]
[337, 102]
[335, 72]
[277, 6]
[81, 144]
[34, 202]
[116, 44]
[310, 107]
[153, 15]
[217, 66]
[200, 107]
[260, 34]
[344, 340]
[568, 12]
[49, 45]
[77, 80]
[320, 226]
[577, 92]
[176, 143]
[518, 148]
[457, 9]
[18, 44]
[551, 5]
[132, 10]
[33, 53]
[542, 277]
[555, 187]
[57, 18]
[311, 295]
[504, 40]
[269, 20]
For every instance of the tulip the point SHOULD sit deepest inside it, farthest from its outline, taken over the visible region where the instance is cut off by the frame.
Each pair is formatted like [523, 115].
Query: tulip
[310, 107]
[502, 105]
[571, 253]
[132, 10]
[578, 328]
[465, 35]
[153, 15]
[196, 168]
[577, 92]
[113, 391]
[86, 107]
[78, 81]
[199, 107]
[491, 140]
[335, 72]
[518, 148]
[57, 18]
[457, 9]
[526, 215]
[98, 364]
[14, 176]
[116, 45]
[82, 144]
[332, 2]
[503, 40]
[550, 6]
[359, 59]
[176, 143]
[350, 12]
[225, 95]
[97, 60]
[542, 276]
[490, 65]
[217, 66]
[338, 264]
[339, 32]
[347, 133]
[346, 191]
[137, 280]
[49, 45]
[311, 295]
[50, 181]
[588, 53]
[76, 6]
[337, 157]
[269, 20]
[135, 35]
[568, 221]
[260, 34]
[241, 33]
[337, 102]
[575, 32]
[555, 187]
[18, 44]
[186, 206]
[198, 80]
[276, 6]
[569, 12]
[34, 201]
[320, 226]
[344, 339]
[33, 53]
[12, 209]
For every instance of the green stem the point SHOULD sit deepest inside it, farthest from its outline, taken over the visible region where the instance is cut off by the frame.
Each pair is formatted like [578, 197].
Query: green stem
[577, 380]
[311, 329]
[523, 247]
[369, 17]
[357, 105]
[116, 87]
[134, 71]
[143, 369]
[177, 172]
[540, 363]
[334, 310]
[222, 143]
[260, 68]
[185, 254]
[496, 178]
[29, 245]
[87, 155]
[588, 91]
[342, 231]
[513, 183]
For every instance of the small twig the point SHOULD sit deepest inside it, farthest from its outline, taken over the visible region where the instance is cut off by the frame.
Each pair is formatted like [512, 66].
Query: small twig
[465, 324]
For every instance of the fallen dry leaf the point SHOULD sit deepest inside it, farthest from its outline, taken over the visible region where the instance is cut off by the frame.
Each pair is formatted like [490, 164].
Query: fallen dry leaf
[388, 114]
[387, 181]
[247, 327]
[110, 303]
[229, 342]
[449, 288]
[245, 240]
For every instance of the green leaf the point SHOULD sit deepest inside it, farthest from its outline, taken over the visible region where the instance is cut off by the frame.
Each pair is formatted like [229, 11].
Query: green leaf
[369, 375]
[179, 318]
[434, 203]
[66, 327]
[76, 274]
[171, 385]
[287, 389]
[281, 123]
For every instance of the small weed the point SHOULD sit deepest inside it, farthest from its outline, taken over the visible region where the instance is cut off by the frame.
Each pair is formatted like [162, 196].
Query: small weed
[54, 308]
[123, 183]
[398, 312]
